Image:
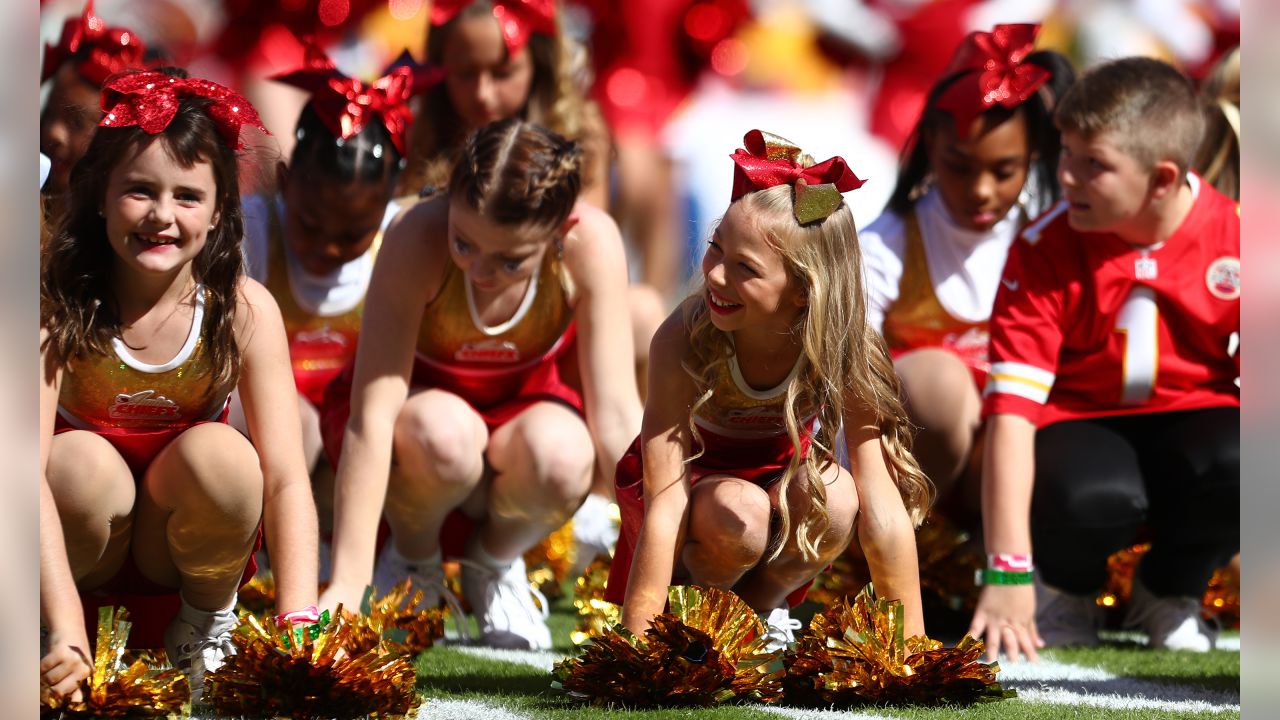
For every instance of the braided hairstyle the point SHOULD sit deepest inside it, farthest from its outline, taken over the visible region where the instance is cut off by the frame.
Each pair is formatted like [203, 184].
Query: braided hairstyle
[367, 156]
[516, 173]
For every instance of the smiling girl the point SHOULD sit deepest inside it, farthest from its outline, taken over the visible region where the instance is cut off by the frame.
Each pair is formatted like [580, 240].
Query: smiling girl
[979, 166]
[492, 372]
[147, 325]
[733, 481]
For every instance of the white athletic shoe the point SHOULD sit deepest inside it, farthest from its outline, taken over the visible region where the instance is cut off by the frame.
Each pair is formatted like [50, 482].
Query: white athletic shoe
[780, 629]
[425, 575]
[1172, 623]
[595, 531]
[198, 642]
[1065, 619]
[503, 603]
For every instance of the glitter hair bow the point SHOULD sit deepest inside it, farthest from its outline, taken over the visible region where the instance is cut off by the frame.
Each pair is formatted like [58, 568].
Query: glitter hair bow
[993, 72]
[770, 160]
[346, 105]
[518, 18]
[150, 100]
[104, 50]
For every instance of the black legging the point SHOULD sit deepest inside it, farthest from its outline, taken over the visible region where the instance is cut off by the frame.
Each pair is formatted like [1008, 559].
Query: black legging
[1097, 481]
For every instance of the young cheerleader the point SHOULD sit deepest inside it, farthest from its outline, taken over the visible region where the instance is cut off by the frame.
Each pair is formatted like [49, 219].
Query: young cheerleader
[146, 327]
[980, 164]
[486, 307]
[504, 60]
[87, 53]
[314, 245]
[733, 481]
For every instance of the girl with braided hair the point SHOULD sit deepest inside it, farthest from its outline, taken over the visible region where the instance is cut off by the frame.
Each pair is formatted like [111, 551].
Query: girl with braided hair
[492, 369]
[733, 481]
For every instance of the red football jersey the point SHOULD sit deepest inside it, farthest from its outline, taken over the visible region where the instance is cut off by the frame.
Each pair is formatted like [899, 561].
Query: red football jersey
[1086, 325]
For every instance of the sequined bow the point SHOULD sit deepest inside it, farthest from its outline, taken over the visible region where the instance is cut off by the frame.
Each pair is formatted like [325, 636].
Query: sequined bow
[110, 49]
[150, 100]
[994, 73]
[346, 105]
[518, 18]
[770, 160]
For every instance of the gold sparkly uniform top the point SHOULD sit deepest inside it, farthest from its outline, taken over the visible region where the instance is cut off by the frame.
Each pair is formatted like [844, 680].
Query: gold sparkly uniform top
[116, 390]
[918, 320]
[452, 335]
[736, 410]
[321, 342]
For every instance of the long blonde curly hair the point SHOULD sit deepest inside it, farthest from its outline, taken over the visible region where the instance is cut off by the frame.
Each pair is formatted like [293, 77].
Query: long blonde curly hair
[842, 360]
[557, 101]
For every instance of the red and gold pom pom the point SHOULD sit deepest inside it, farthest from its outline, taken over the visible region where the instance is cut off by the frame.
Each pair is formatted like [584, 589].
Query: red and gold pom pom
[596, 616]
[142, 688]
[396, 622]
[550, 561]
[708, 650]
[1221, 599]
[309, 672]
[855, 654]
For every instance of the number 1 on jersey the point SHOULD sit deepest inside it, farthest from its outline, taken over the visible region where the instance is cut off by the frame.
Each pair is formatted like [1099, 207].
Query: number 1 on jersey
[1138, 323]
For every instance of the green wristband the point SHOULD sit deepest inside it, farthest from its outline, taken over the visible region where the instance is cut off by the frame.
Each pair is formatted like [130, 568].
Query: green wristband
[991, 576]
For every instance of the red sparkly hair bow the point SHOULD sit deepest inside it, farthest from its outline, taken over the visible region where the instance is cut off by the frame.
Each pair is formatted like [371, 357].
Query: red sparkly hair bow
[104, 50]
[518, 18]
[994, 72]
[150, 100]
[770, 160]
[346, 105]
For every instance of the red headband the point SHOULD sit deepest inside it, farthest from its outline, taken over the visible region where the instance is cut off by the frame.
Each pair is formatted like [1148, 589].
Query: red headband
[150, 100]
[770, 160]
[110, 49]
[994, 73]
[346, 105]
[518, 18]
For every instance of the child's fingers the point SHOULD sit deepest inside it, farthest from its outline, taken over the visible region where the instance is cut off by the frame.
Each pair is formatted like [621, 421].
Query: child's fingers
[993, 643]
[1024, 639]
[69, 686]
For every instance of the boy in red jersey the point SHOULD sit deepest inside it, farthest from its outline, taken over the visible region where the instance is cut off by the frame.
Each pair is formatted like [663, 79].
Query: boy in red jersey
[1112, 400]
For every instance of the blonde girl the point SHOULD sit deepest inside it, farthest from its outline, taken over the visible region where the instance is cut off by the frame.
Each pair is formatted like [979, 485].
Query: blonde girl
[733, 481]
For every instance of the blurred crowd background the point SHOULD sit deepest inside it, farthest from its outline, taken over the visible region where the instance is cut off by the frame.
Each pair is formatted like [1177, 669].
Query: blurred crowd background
[680, 81]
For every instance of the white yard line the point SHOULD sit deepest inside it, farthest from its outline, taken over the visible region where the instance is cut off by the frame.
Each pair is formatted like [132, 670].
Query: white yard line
[465, 710]
[1120, 702]
[803, 714]
[542, 660]
[1020, 673]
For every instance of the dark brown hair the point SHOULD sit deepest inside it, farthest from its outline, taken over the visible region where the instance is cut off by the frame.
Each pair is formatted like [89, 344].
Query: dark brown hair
[77, 304]
[557, 100]
[516, 173]
[1037, 112]
[1146, 106]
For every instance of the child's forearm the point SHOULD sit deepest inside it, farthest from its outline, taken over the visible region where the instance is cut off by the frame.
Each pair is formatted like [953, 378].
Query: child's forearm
[613, 432]
[889, 543]
[360, 491]
[653, 563]
[292, 535]
[1007, 481]
[59, 600]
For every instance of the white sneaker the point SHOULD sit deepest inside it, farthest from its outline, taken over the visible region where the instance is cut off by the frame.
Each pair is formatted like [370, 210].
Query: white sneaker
[425, 575]
[1066, 619]
[595, 530]
[1172, 623]
[780, 629]
[198, 642]
[503, 603]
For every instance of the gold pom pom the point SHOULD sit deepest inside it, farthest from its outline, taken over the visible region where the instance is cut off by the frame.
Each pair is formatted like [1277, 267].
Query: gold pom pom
[307, 672]
[855, 653]
[115, 689]
[596, 616]
[395, 622]
[550, 561]
[258, 596]
[708, 650]
[1221, 599]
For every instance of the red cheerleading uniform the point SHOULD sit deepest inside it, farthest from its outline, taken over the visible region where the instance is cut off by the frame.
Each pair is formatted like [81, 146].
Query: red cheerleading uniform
[1086, 325]
[500, 371]
[742, 432]
[139, 408]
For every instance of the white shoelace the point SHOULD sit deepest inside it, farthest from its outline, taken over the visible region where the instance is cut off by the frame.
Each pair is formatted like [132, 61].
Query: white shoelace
[435, 581]
[784, 632]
